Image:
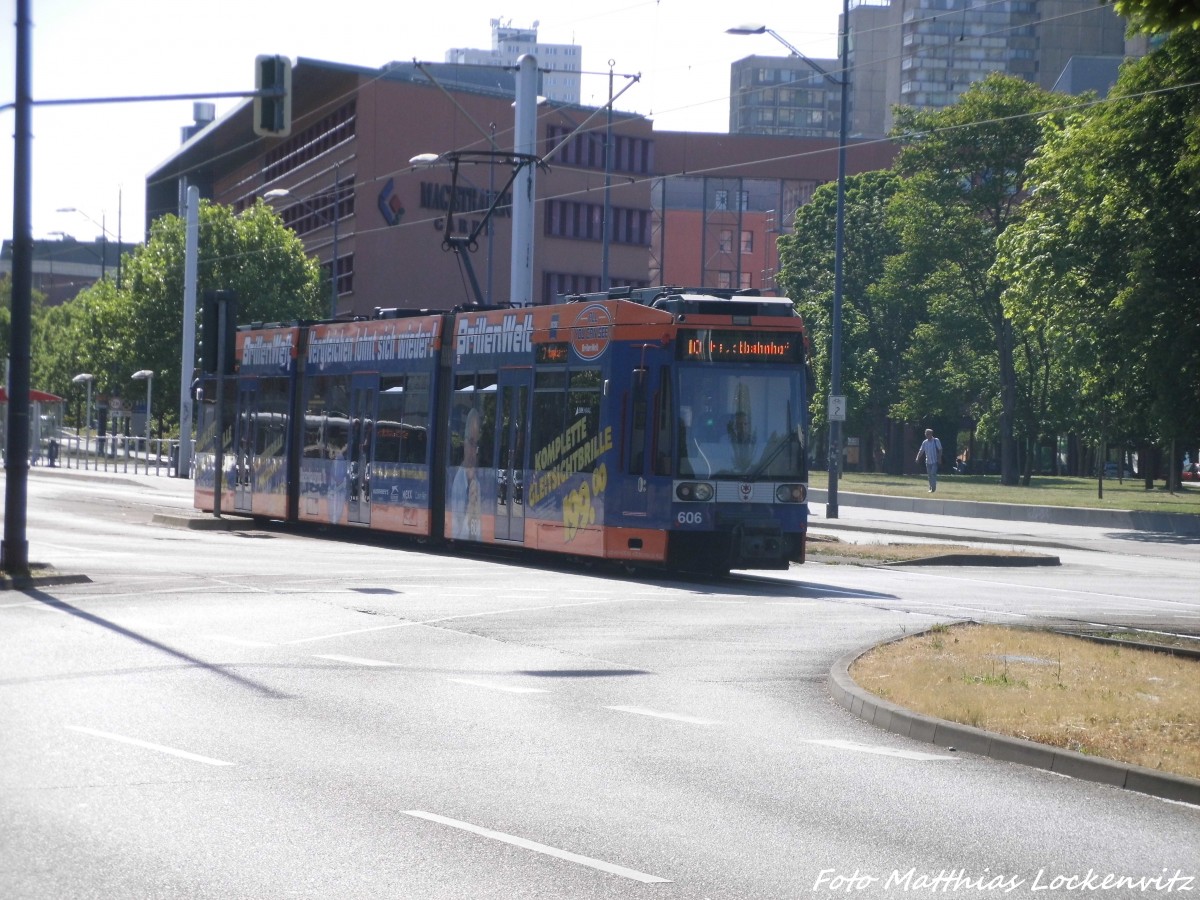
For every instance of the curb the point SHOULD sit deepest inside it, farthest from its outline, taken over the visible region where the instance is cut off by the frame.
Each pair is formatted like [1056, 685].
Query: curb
[24, 583]
[979, 559]
[205, 523]
[819, 524]
[954, 736]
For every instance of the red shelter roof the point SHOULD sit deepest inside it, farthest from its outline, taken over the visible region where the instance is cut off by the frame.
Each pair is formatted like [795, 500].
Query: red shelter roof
[34, 396]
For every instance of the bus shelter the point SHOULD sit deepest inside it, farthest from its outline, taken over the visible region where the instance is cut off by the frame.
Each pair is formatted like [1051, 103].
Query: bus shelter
[45, 426]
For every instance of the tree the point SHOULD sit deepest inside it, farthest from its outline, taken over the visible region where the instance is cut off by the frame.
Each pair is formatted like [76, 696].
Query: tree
[1107, 256]
[876, 320]
[111, 332]
[1155, 16]
[966, 170]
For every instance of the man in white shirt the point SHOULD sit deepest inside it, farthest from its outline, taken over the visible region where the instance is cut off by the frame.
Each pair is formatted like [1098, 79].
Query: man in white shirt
[931, 449]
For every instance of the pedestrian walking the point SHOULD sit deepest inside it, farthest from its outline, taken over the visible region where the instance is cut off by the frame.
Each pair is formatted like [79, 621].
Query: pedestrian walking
[931, 450]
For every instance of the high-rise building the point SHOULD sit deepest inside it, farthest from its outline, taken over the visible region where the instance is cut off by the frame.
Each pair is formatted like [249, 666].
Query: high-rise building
[561, 62]
[788, 96]
[926, 53]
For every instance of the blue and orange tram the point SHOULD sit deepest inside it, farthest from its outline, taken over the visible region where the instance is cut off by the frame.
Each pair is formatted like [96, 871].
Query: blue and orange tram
[652, 427]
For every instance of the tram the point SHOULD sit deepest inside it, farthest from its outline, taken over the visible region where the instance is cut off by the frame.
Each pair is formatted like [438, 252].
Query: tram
[658, 427]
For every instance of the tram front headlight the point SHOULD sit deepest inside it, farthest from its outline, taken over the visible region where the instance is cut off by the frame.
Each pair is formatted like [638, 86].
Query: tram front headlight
[791, 493]
[694, 491]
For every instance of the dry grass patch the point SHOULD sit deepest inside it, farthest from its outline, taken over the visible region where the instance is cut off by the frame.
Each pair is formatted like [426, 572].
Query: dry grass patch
[832, 549]
[1124, 704]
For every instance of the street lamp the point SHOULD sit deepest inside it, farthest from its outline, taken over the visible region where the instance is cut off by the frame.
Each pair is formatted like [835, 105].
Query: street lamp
[837, 402]
[87, 427]
[148, 376]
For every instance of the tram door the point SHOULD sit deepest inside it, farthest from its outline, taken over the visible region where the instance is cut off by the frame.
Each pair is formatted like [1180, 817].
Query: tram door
[363, 393]
[244, 442]
[640, 430]
[511, 427]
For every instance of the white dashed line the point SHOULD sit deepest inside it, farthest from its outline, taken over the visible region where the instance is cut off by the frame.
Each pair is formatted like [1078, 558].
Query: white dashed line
[611, 868]
[674, 717]
[239, 642]
[881, 751]
[355, 660]
[182, 754]
[500, 687]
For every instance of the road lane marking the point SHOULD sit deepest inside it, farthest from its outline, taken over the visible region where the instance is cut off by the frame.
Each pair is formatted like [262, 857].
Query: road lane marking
[182, 754]
[500, 687]
[355, 660]
[476, 615]
[525, 844]
[674, 717]
[338, 634]
[880, 751]
[239, 642]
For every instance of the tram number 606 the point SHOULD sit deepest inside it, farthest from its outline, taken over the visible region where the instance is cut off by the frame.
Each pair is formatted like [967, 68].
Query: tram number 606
[690, 518]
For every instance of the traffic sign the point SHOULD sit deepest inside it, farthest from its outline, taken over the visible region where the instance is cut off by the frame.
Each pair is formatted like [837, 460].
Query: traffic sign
[837, 408]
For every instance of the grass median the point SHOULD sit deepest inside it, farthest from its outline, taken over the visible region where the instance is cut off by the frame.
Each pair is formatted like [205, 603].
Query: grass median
[1130, 494]
[1118, 702]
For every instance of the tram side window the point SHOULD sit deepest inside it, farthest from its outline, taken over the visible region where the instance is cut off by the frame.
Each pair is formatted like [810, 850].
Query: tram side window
[388, 429]
[583, 403]
[326, 428]
[474, 397]
[271, 433]
[415, 424]
[549, 415]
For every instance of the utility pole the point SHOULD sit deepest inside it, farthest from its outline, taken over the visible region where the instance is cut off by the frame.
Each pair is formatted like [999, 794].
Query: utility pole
[14, 551]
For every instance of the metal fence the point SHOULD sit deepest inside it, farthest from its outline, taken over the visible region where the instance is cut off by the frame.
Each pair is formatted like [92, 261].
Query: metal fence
[111, 453]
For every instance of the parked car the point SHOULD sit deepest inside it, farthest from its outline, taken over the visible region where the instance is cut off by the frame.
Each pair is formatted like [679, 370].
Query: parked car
[1190, 473]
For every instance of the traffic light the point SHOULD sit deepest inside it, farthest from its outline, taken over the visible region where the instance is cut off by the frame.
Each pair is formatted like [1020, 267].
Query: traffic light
[211, 336]
[273, 103]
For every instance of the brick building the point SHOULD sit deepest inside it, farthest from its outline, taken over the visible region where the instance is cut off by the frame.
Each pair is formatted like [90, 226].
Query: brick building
[679, 205]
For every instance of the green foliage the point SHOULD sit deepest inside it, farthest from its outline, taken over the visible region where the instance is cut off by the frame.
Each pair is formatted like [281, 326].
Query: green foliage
[1105, 260]
[1155, 16]
[875, 324]
[966, 168]
[111, 333]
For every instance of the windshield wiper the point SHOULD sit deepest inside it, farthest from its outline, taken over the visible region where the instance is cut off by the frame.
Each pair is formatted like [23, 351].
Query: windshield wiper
[762, 466]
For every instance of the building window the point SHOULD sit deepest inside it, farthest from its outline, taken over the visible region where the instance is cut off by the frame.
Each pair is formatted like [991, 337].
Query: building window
[345, 274]
[724, 280]
[558, 284]
[725, 241]
[747, 241]
[721, 200]
[318, 211]
[744, 281]
[337, 127]
[585, 222]
[586, 150]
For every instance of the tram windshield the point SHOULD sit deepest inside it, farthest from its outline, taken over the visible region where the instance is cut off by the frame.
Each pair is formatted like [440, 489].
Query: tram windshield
[739, 423]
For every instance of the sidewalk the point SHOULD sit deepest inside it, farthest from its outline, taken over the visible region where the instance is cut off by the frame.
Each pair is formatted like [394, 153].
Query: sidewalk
[966, 525]
[1161, 523]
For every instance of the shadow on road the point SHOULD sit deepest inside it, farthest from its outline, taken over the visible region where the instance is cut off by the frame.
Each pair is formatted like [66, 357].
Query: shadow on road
[178, 655]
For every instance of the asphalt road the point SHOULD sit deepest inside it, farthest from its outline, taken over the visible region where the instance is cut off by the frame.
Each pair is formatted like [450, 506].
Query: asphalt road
[270, 714]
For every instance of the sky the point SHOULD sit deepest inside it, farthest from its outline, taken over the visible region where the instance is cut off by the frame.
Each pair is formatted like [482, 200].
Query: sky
[95, 157]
